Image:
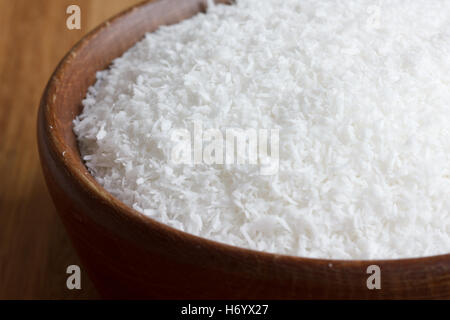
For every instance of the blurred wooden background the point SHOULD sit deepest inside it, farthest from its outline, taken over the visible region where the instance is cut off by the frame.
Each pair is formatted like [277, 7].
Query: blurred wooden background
[34, 248]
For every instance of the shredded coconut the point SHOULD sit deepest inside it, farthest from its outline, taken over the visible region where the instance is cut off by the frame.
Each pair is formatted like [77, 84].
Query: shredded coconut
[360, 93]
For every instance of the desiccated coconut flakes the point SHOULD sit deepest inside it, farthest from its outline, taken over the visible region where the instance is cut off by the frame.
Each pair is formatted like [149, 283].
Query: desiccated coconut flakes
[360, 93]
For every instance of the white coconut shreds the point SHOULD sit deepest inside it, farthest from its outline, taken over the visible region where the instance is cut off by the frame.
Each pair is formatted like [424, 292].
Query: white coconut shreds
[360, 91]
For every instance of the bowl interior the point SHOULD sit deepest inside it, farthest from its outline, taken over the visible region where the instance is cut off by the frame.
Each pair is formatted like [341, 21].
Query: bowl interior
[61, 102]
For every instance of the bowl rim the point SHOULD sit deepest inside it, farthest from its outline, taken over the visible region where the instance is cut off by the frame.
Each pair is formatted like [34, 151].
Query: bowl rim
[53, 134]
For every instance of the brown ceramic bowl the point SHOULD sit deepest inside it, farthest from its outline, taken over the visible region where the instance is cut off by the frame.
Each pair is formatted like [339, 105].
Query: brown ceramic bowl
[128, 255]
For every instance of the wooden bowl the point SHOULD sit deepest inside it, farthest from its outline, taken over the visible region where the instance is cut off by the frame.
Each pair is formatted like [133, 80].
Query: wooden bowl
[128, 255]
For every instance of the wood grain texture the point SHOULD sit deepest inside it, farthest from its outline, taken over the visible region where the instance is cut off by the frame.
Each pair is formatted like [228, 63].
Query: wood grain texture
[34, 247]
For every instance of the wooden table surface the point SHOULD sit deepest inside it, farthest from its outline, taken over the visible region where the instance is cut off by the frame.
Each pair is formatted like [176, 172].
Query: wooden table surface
[34, 248]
